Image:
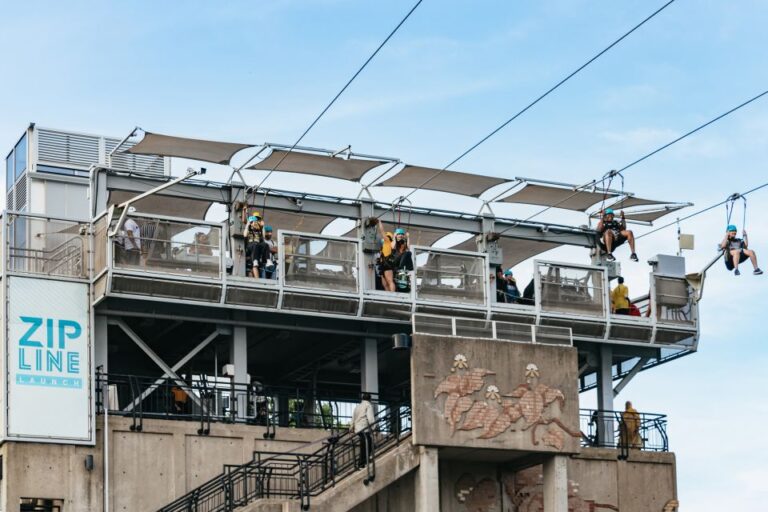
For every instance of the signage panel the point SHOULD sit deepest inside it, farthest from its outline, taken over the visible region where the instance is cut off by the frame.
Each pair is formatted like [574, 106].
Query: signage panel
[48, 361]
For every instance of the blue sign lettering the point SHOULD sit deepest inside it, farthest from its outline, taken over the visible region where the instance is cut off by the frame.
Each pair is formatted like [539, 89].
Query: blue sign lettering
[52, 363]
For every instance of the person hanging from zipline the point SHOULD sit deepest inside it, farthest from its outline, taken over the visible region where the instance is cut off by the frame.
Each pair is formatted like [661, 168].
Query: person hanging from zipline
[387, 262]
[736, 250]
[614, 232]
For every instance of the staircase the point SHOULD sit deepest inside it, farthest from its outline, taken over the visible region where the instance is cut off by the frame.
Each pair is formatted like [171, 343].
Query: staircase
[290, 480]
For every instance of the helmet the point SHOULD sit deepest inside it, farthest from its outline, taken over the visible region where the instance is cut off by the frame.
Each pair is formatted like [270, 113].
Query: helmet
[256, 214]
[508, 272]
[268, 229]
[608, 211]
[400, 231]
[253, 218]
[731, 228]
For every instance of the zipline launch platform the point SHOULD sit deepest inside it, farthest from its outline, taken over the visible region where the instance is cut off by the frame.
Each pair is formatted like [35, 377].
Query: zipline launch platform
[146, 368]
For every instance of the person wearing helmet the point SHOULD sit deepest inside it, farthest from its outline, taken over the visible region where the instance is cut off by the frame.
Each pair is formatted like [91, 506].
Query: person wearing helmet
[387, 258]
[403, 261]
[255, 247]
[613, 233]
[269, 270]
[736, 251]
[511, 291]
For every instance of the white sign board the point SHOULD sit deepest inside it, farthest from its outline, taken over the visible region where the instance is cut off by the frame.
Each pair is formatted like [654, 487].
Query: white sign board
[48, 361]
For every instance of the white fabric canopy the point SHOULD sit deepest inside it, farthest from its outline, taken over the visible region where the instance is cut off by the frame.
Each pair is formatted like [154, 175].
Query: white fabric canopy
[635, 201]
[159, 204]
[515, 250]
[424, 237]
[294, 221]
[194, 149]
[444, 181]
[320, 165]
[558, 197]
[652, 215]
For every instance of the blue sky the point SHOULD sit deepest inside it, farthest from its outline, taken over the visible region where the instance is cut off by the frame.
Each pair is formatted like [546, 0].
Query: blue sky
[255, 72]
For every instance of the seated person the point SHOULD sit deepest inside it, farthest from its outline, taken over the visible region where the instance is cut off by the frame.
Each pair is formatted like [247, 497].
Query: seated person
[620, 304]
[387, 258]
[736, 251]
[403, 261]
[511, 292]
[613, 233]
[254, 244]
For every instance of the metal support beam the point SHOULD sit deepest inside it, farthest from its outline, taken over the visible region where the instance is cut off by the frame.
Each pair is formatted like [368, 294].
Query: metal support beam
[238, 356]
[369, 366]
[605, 431]
[153, 356]
[100, 343]
[629, 376]
[176, 367]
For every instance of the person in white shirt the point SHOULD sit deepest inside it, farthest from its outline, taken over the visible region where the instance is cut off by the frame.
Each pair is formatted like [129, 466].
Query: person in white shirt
[362, 419]
[130, 241]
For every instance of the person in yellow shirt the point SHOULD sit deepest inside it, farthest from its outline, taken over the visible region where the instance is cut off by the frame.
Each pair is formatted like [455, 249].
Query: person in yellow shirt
[620, 298]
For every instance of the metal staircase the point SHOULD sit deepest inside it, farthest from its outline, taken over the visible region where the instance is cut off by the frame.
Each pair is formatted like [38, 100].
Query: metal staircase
[293, 475]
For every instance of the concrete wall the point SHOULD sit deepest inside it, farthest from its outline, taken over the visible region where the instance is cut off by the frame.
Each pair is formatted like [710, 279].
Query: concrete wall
[597, 482]
[474, 393]
[147, 469]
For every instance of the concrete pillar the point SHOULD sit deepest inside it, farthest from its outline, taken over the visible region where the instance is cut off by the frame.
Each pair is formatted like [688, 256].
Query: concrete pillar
[100, 344]
[605, 429]
[428, 481]
[369, 366]
[238, 356]
[556, 484]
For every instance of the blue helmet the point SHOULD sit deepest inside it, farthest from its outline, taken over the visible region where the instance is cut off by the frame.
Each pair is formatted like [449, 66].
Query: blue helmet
[268, 228]
[400, 231]
[731, 228]
[608, 211]
[508, 272]
[252, 218]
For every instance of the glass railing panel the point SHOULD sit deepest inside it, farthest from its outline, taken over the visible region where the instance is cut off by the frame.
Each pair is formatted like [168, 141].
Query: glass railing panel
[46, 246]
[168, 246]
[575, 290]
[318, 262]
[100, 228]
[450, 277]
[673, 301]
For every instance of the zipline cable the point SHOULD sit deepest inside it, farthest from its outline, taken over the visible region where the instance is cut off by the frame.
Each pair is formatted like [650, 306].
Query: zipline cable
[708, 208]
[609, 176]
[349, 82]
[534, 102]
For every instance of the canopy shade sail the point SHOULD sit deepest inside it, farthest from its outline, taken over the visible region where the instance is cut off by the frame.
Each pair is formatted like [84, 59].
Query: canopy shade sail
[424, 237]
[654, 214]
[159, 204]
[194, 149]
[443, 181]
[557, 197]
[630, 201]
[319, 165]
[515, 250]
[295, 221]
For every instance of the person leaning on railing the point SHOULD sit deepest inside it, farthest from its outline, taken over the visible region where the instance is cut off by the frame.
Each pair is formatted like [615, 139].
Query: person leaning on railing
[362, 421]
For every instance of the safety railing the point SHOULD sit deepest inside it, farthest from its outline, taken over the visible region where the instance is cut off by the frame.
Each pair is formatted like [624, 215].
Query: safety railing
[299, 476]
[320, 262]
[631, 430]
[438, 325]
[673, 300]
[450, 276]
[46, 246]
[210, 400]
[152, 244]
[578, 290]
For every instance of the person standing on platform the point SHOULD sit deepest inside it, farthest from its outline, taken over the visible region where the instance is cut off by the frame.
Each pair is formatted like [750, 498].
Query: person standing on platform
[362, 421]
[620, 298]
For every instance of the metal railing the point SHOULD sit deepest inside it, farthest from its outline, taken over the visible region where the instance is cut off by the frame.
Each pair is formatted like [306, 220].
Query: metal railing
[299, 476]
[47, 246]
[211, 400]
[631, 431]
[440, 325]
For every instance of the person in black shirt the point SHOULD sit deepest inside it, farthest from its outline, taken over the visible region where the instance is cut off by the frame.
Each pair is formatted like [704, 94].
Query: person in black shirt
[614, 233]
[501, 285]
[736, 251]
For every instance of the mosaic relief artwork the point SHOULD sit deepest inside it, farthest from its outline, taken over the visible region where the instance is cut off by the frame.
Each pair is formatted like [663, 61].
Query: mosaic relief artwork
[472, 405]
[526, 491]
[671, 506]
[477, 496]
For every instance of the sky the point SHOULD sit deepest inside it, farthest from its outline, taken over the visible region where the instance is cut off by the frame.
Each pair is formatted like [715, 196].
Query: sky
[261, 71]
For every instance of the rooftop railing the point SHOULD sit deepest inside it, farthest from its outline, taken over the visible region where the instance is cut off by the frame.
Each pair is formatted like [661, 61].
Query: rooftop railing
[636, 430]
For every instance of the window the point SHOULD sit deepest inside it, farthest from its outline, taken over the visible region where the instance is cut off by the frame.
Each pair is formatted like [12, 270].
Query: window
[40, 505]
[9, 171]
[20, 152]
[61, 170]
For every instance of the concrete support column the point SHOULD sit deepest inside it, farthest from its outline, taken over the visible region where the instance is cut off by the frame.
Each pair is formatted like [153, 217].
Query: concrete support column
[100, 343]
[605, 428]
[556, 484]
[369, 366]
[238, 356]
[428, 481]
